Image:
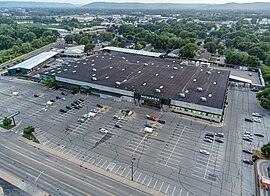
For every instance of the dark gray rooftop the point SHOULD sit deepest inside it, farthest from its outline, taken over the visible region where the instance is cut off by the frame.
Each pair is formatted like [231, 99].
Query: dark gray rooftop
[143, 75]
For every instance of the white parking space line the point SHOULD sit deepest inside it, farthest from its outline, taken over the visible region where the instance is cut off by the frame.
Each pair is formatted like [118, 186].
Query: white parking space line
[127, 173]
[173, 191]
[46, 142]
[161, 186]
[144, 179]
[99, 162]
[167, 188]
[155, 184]
[103, 164]
[123, 171]
[139, 143]
[138, 177]
[118, 169]
[180, 193]
[150, 181]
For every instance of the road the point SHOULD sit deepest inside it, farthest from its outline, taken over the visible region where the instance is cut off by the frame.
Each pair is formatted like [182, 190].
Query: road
[57, 177]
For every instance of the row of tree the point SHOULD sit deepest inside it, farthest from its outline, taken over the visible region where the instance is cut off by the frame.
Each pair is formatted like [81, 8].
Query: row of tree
[264, 96]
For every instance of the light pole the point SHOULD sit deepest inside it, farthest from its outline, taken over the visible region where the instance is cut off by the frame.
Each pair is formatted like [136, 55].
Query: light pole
[132, 168]
[36, 181]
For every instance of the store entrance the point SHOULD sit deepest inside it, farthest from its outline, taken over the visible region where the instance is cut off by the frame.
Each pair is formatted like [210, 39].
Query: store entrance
[152, 103]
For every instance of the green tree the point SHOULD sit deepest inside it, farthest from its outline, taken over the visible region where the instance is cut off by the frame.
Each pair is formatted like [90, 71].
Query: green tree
[6, 42]
[211, 47]
[107, 36]
[89, 47]
[49, 82]
[267, 61]
[29, 37]
[69, 39]
[6, 121]
[84, 40]
[29, 130]
[189, 50]
[74, 89]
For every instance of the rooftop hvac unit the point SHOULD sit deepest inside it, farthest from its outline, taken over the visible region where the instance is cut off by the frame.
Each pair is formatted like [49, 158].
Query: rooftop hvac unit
[152, 63]
[94, 69]
[139, 71]
[95, 79]
[218, 72]
[172, 77]
[161, 87]
[182, 95]
[181, 67]
[210, 95]
[194, 80]
[94, 75]
[117, 83]
[97, 56]
[111, 67]
[93, 60]
[175, 68]
[123, 58]
[201, 69]
[125, 80]
[110, 58]
[199, 89]
[156, 74]
[144, 84]
[214, 83]
[145, 64]
[157, 90]
[186, 91]
[168, 65]
[138, 61]
[107, 77]
[203, 99]
[93, 64]
[126, 60]
[208, 72]
[173, 61]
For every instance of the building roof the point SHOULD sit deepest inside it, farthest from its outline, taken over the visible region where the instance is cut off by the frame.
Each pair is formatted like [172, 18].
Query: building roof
[144, 75]
[205, 56]
[132, 51]
[239, 79]
[34, 61]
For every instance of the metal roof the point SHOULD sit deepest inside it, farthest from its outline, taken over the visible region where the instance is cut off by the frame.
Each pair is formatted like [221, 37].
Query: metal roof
[131, 51]
[236, 78]
[34, 61]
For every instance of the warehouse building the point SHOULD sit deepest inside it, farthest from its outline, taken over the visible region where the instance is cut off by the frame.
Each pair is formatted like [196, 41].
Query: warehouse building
[32, 64]
[149, 81]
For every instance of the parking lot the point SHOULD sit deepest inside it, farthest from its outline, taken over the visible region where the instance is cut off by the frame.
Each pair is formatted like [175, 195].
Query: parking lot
[168, 160]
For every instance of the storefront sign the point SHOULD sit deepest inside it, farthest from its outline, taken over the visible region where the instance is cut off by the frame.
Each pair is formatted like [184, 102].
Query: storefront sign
[150, 98]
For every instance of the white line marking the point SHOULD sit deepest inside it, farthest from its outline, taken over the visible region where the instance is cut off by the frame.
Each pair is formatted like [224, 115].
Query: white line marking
[103, 164]
[117, 169]
[149, 181]
[180, 193]
[140, 143]
[122, 172]
[99, 162]
[208, 162]
[144, 179]
[155, 184]
[139, 177]
[187, 194]
[173, 191]
[167, 189]
[161, 186]
[128, 173]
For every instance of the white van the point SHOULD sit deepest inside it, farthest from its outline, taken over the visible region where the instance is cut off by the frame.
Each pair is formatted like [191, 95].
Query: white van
[148, 130]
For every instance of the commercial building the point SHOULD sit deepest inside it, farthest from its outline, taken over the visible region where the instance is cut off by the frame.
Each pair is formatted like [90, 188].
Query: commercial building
[147, 80]
[32, 64]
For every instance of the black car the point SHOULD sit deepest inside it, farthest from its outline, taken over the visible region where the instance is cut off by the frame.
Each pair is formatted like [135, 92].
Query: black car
[73, 104]
[76, 102]
[219, 140]
[63, 110]
[69, 108]
[209, 134]
[64, 93]
[99, 105]
[81, 100]
[118, 126]
[52, 100]
[76, 107]
[258, 135]
[248, 120]
[58, 97]
[162, 121]
[36, 95]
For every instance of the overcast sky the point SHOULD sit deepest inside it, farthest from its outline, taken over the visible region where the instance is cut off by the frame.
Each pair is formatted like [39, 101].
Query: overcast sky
[148, 1]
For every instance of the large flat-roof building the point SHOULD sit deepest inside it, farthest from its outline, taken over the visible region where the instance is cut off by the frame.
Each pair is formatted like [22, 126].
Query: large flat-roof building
[32, 64]
[144, 80]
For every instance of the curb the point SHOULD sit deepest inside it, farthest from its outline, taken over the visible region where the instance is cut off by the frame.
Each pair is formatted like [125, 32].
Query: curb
[94, 168]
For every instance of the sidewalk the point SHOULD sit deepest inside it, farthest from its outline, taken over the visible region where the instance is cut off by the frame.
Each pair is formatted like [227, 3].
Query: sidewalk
[94, 168]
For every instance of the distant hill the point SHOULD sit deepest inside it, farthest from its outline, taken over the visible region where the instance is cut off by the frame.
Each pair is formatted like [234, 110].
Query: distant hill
[32, 4]
[232, 6]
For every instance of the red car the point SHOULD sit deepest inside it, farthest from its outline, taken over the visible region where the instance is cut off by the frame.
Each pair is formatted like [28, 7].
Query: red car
[152, 118]
[248, 151]
[248, 161]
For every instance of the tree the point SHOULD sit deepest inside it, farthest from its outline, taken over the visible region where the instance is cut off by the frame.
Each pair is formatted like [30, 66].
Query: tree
[84, 40]
[267, 61]
[107, 36]
[89, 47]
[189, 50]
[26, 47]
[74, 89]
[211, 47]
[29, 37]
[6, 121]
[69, 39]
[6, 42]
[48, 82]
[29, 130]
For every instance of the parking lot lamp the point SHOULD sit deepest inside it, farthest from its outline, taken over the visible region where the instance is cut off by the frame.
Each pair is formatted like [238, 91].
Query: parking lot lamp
[132, 168]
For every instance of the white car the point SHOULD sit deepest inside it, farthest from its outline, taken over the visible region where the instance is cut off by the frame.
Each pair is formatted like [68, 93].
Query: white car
[44, 109]
[205, 152]
[102, 130]
[219, 134]
[116, 117]
[82, 120]
[257, 115]
[208, 140]
[248, 136]
[257, 120]
[247, 133]
[93, 111]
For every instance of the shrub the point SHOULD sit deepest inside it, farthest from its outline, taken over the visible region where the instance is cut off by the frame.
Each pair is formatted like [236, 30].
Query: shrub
[7, 121]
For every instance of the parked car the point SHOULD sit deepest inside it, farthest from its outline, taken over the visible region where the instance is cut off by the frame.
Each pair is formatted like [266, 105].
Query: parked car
[258, 134]
[102, 130]
[209, 134]
[219, 140]
[248, 151]
[248, 136]
[44, 109]
[67, 107]
[147, 124]
[219, 134]
[99, 105]
[81, 100]
[208, 140]
[36, 95]
[247, 139]
[248, 120]
[64, 93]
[81, 120]
[51, 100]
[148, 130]
[209, 137]
[63, 110]
[247, 133]
[78, 101]
[257, 115]
[257, 120]
[162, 121]
[93, 110]
[151, 118]
[116, 117]
[57, 97]
[248, 161]
[118, 126]
[205, 152]
[76, 107]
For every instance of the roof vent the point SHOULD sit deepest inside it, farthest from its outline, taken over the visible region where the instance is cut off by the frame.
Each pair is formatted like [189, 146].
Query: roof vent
[93, 60]
[208, 72]
[175, 68]
[168, 65]
[186, 91]
[74, 71]
[173, 61]
[110, 67]
[194, 80]
[218, 72]
[127, 60]
[93, 64]
[110, 58]
[145, 64]
[210, 95]
[156, 74]
[117, 83]
[203, 99]
[75, 66]
[95, 79]
[182, 67]
[139, 71]
[214, 83]
[201, 69]
[65, 69]
[157, 90]
[138, 61]
[107, 77]
[172, 77]
[123, 69]
[182, 95]
[94, 69]
[161, 87]
[124, 80]
[123, 58]
[94, 75]
[199, 89]
[144, 84]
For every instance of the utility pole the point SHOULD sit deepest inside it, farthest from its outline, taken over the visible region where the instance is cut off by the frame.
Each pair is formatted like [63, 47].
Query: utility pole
[132, 168]
[36, 181]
